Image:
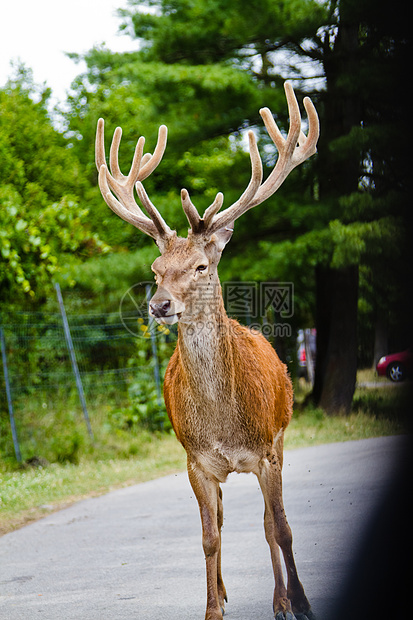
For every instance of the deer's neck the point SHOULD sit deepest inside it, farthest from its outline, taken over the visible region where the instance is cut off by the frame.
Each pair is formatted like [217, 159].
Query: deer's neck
[205, 347]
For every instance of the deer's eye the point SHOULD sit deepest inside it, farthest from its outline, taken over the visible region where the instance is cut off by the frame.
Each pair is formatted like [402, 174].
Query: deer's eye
[201, 268]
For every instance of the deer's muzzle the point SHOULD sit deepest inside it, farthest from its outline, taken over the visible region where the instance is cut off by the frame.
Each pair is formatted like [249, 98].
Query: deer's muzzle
[164, 309]
[161, 309]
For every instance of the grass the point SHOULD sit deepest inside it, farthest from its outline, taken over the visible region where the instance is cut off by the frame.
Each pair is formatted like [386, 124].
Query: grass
[377, 411]
[313, 428]
[119, 458]
[33, 492]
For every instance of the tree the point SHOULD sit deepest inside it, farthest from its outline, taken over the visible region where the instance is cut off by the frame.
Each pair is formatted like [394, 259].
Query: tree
[206, 105]
[333, 220]
[363, 176]
[42, 221]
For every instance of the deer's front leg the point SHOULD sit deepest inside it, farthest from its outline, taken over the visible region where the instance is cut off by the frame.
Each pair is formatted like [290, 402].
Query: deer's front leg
[206, 490]
[221, 588]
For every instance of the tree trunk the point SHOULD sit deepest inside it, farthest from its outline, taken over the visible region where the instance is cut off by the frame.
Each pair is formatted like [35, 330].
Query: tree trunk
[336, 323]
[337, 289]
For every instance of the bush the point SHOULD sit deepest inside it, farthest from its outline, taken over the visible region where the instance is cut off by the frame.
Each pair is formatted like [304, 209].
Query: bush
[146, 410]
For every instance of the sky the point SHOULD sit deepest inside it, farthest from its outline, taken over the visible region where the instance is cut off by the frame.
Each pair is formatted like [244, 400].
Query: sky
[39, 32]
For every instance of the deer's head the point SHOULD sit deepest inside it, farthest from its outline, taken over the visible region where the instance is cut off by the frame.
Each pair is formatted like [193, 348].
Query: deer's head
[188, 266]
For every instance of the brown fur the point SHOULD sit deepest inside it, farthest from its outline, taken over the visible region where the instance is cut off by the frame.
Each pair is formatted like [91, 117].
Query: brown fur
[251, 378]
[229, 399]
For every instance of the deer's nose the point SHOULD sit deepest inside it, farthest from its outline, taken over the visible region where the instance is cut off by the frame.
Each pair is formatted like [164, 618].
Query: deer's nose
[160, 309]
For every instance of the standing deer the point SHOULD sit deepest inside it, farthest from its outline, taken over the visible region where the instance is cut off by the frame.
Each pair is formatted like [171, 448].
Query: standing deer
[227, 394]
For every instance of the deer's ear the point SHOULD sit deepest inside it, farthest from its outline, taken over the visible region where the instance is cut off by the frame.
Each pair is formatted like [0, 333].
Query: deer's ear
[221, 237]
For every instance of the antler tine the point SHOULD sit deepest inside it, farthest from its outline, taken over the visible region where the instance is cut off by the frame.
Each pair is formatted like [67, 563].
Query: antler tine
[157, 155]
[198, 224]
[290, 155]
[142, 222]
[207, 223]
[213, 209]
[256, 177]
[242, 204]
[191, 212]
[133, 175]
[122, 186]
[113, 154]
[313, 128]
[100, 158]
[292, 151]
[160, 224]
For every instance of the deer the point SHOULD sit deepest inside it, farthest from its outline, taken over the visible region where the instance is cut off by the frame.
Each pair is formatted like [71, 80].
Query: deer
[227, 394]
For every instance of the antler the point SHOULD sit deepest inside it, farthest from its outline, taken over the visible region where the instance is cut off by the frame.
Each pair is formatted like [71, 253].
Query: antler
[114, 181]
[292, 151]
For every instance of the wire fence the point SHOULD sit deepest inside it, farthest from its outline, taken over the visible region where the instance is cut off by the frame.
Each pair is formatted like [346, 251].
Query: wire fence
[57, 366]
[78, 361]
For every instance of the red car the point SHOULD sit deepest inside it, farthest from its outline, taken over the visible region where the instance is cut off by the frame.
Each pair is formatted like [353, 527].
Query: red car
[396, 366]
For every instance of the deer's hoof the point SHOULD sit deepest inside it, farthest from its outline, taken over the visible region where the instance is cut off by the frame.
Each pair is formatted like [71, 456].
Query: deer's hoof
[281, 615]
[307, 616]
[288, 615]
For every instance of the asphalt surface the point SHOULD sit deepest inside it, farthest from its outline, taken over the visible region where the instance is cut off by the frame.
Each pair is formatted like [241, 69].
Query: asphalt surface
[136, 552]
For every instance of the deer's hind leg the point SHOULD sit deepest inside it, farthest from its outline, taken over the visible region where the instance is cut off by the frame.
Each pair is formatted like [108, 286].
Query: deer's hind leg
[278, 535]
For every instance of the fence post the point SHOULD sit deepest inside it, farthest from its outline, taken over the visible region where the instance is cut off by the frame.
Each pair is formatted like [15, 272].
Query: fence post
[9, 400]
[72, 354]
[154, 350]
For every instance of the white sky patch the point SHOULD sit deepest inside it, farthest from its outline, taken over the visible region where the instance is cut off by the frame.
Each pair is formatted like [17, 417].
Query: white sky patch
[39, 32]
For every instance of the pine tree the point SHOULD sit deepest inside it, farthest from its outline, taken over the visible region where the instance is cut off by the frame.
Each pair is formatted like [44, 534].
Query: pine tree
[204, 68]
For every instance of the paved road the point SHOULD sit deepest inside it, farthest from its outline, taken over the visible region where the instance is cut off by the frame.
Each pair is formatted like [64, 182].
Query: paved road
[136, 552]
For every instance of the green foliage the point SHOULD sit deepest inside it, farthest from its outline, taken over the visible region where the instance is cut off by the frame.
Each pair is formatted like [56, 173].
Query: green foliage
[35, 239]
[42, 223]
[195, 102]
[49, 427]
[202, 32]
[353, 242]
[147, 407]
[107, 278]
[67, 443]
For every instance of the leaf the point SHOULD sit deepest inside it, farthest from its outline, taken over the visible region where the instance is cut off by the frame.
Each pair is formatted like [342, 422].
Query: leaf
[21, 225]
